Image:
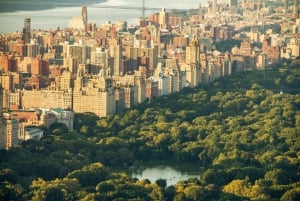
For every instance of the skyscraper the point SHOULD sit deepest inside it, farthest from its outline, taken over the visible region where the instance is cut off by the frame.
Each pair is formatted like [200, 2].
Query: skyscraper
[84, 16]
[26, 30]
[286, 4]
[163, 18]
[193, 52]
[12, 132]
[214, 6]
[116, 53]
[296, 3]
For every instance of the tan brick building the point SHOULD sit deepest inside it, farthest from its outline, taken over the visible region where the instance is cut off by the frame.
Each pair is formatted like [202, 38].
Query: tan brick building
[47, 99]
[94, 94]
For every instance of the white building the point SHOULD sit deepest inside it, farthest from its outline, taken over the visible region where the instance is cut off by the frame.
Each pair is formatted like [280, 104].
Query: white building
[163, 84]
[64, 116]
[32, 134]
[100, 57]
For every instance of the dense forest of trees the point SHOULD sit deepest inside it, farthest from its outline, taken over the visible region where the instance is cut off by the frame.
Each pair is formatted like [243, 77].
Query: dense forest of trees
[242, 130]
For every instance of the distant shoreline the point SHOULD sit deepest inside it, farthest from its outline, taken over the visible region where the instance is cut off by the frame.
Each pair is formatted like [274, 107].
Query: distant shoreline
[7, 6]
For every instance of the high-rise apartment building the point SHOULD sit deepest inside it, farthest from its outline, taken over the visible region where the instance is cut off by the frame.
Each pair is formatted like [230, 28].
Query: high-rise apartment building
[39, 66]
[130, 95]
[233, 6]
[6, 81]
[120, 100]
[27, 30]
[71, 63]
[94, 94]
[32, 48]
[14, 102]
[261, 61]
[2, 122]
[193, 70]
[46, 99]
[175, 21]
[163, 82]
[80, 51]
[140, 82]
[84, 17]
[116, 53]
[286, 4]
[295, 9]
[245, 49]
[143, 48]
[193, 52]
[177, 77]
[8, 63]
[294, 47]
[163, 18]
[154, 18]
[66, 81]
[214, 6]
[12, 132]
[100, 57]
[272, 52]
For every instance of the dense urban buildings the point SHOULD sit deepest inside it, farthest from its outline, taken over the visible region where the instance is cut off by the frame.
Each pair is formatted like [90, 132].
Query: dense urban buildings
[45, 76]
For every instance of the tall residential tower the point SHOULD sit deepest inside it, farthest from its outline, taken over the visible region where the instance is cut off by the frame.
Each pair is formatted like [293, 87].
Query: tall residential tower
[26, 30]
[295, 10]
[84, 16]
[214, 6]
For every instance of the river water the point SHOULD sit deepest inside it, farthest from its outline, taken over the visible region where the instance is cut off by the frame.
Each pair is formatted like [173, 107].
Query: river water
[60, 17]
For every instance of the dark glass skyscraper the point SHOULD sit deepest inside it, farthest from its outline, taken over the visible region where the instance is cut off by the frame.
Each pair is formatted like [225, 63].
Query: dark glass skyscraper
[84, 16]
[26, 30]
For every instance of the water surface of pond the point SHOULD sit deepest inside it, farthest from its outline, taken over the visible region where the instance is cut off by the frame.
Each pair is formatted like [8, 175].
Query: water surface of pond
[171, 175]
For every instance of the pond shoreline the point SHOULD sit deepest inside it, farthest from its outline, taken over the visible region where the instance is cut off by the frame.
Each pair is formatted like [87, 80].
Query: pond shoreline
[168, 171]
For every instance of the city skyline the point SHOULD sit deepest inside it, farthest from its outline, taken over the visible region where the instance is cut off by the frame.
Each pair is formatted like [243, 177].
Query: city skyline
[114, 66]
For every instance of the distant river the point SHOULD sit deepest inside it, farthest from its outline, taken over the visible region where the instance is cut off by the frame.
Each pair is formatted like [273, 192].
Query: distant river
[60, 17]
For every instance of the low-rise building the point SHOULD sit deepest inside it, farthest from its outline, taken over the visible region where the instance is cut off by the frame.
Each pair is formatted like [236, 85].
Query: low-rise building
[64, 116]
[32, 134]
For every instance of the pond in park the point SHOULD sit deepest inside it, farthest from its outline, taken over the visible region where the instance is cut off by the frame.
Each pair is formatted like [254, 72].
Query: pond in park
[170, 174]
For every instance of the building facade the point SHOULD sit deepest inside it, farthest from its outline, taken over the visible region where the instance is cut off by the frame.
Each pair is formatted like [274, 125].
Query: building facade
[94, 94]
[46, 98]
[2, 122]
